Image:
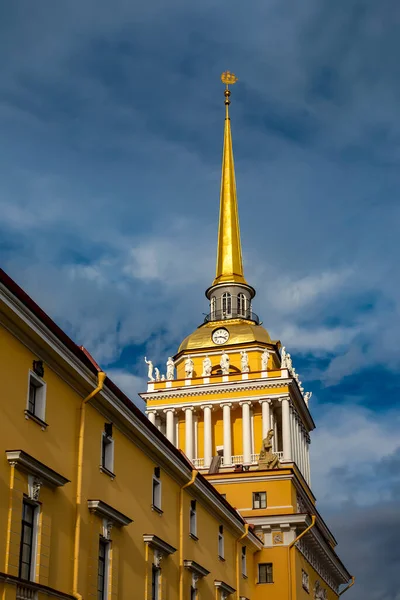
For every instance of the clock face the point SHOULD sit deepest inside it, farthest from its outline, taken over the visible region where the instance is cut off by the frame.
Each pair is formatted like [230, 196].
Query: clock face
[220, 336]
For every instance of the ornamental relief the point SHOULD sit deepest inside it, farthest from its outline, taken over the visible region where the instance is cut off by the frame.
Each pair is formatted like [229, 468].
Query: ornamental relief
[320, 593]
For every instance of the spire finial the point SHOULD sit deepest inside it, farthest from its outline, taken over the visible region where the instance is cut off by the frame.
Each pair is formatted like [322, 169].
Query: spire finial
[229, 79]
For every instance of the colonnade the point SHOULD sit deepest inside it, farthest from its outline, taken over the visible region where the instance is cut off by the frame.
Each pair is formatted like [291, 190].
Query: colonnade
[293, 440]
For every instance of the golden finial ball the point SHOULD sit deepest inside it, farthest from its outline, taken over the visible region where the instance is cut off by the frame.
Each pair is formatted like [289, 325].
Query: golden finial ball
[228, 78]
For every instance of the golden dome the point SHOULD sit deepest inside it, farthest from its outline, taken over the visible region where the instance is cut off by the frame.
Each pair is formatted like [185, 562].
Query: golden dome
[240, 332]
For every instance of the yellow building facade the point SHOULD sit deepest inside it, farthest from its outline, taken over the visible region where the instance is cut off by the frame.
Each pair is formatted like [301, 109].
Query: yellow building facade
[98, 500]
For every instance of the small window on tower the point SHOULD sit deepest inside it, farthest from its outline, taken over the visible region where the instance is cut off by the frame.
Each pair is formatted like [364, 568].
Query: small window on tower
[226, 304]
[213, 306]
[241, 304]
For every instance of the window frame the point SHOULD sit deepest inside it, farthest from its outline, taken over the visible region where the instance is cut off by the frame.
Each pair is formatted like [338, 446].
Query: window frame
[33, 539]
[39, 405]
[155, 582]
[226, 304]
[106, 544]
[241, 304]
[262, 499]
[193, 519]
[244, 561]
[107, 451]
[269, 573]
[221, 543]
[156, 497]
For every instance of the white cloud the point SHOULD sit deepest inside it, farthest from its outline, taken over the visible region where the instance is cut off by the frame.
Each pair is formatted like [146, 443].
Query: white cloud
[130, 384]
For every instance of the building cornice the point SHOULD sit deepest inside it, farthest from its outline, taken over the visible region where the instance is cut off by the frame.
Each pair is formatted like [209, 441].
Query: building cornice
[158, 544]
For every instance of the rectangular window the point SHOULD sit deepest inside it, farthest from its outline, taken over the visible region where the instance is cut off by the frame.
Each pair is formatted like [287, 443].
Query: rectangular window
[156, 500]
[107, 449]
[221, 545]
[265, 573]
[259, 499]
[193, 518]
[193, 593]
[28, 541]
[36, 404]
[155, 583]
[103, 566]
[244, 562]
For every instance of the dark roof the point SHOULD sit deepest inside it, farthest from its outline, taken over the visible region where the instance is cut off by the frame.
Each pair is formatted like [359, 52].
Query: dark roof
[83, 355]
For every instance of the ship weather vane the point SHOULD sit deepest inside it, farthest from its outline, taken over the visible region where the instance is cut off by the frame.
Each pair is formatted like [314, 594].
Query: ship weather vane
[228, 79]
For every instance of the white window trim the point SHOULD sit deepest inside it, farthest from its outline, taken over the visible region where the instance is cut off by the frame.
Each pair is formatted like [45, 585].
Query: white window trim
[221, 544]
[159, 488]
[107, 567]
[41, 408]
[35, 541]
[193, 519]
[108, 460]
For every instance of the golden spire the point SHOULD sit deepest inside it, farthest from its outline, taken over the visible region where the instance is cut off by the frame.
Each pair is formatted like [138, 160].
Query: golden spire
[229, 253]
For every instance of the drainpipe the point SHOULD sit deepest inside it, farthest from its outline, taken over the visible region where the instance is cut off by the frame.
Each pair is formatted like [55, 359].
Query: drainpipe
[313, 520]
[245, 534]
[189, 483]
[352, 582]
[100, 383]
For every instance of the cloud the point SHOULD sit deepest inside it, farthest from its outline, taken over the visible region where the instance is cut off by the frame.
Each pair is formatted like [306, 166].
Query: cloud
[130, 384]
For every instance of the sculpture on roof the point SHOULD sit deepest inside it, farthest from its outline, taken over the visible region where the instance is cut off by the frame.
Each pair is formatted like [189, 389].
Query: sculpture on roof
[264, 360]
[189, 365]
[207, 366]
[170, 368]
[150, 369]
[224, 363]
[307, 397]
[157, 371]
[244, 361]
[283, 358]
[267, 459]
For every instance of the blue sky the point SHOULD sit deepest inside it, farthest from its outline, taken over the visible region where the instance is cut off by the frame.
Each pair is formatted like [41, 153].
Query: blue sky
[112, 121]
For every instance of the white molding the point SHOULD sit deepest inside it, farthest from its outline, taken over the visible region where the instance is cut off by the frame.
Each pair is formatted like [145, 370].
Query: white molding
[158, 544]
[27, 463]
[105, 511]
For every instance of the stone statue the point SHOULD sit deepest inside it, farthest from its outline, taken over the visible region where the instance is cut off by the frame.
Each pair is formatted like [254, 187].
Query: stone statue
[268, 460]
[207, 366]
[244, 362]
[307, 397]
[189, 364]
[149, 370]
[170, 368]
[319, 592]
[288, 362]
[224, 363]
[157, 371]
[163, 377]
[264, 360]
[283, 358]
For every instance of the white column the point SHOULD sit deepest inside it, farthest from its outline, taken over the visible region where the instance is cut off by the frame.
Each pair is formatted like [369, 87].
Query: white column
[226, 408]
[170, 428]
[246, 431]
[292, 436]
[287, 445]
[266, 417]
[189, 432]
[308, 461]
[207, 435]
[151, 414]
[304, 444]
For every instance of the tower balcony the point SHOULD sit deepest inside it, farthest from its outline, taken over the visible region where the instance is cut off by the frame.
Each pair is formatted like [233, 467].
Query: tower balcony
[221, 315]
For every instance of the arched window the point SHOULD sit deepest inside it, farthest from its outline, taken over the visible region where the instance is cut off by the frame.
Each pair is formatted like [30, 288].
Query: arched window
[212, 306]
[241, 305]
[226, 304]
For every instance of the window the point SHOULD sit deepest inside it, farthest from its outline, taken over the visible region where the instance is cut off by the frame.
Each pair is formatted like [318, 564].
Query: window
[28, 541]
[226, 303]
[36, 397]
[265, 573]
[155, 583]
[212, 306]
[259, 499]
[107, 449]
[244, 562]
[241, 304]
[103, 566]
[221, 546]
[193, 519]
[193, 588]
[156, 501]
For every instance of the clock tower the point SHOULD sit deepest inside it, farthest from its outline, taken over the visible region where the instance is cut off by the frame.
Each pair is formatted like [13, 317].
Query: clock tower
[236, 407]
